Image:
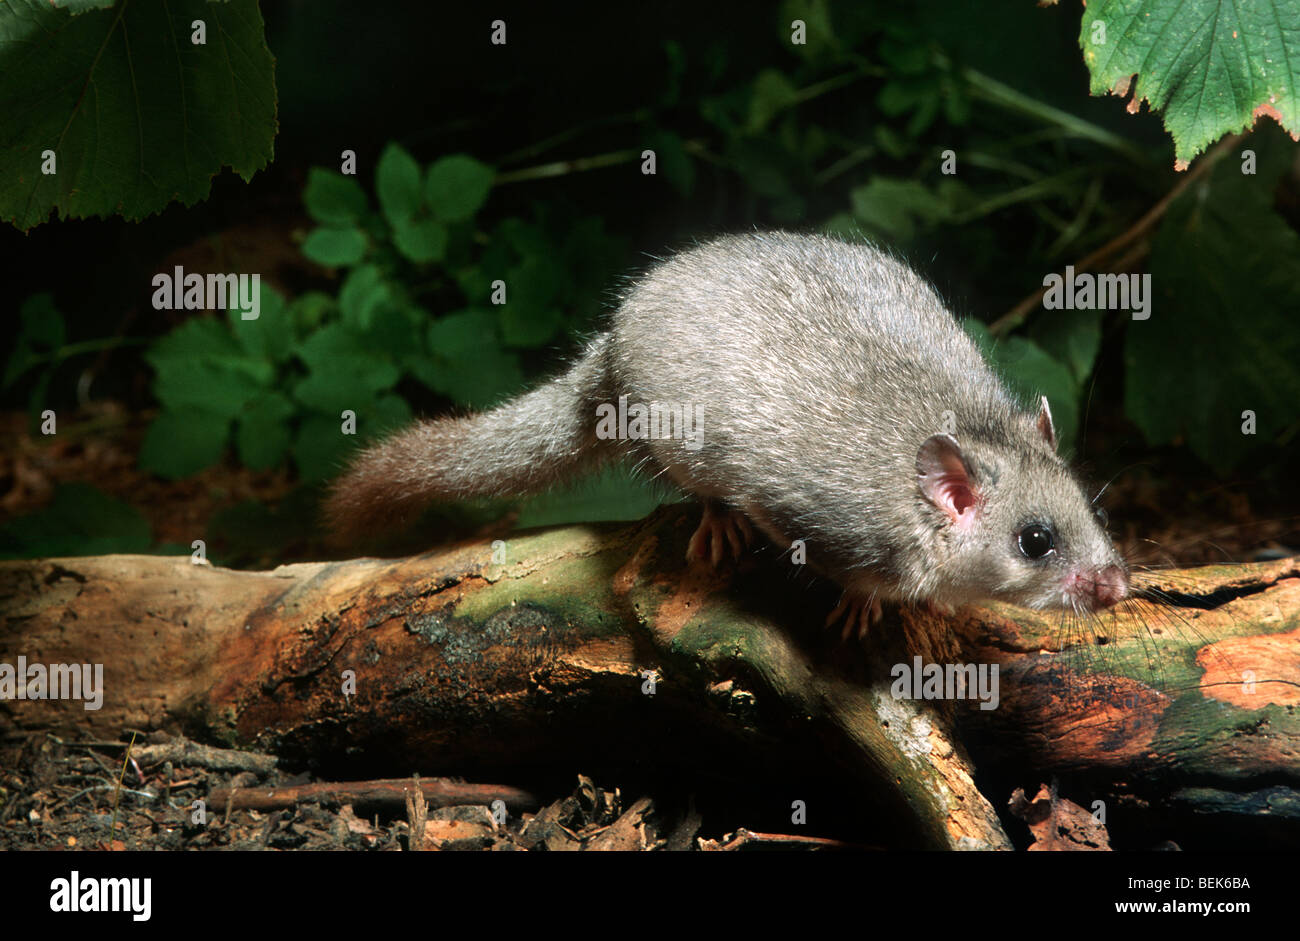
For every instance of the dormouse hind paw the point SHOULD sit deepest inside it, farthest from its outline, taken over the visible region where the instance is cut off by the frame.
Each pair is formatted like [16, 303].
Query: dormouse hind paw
[721, 532]
[859, 612]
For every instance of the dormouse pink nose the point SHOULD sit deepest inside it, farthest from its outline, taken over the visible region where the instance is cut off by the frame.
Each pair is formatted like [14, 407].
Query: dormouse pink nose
[1109, 586]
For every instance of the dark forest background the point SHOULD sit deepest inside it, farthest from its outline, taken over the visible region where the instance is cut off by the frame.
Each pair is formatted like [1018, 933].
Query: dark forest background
[182, 425]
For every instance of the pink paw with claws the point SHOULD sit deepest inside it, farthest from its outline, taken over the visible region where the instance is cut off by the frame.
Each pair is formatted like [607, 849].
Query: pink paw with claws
[859, 613]
[721, 532]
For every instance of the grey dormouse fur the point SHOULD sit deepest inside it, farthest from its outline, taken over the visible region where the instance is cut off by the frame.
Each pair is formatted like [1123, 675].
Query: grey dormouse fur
[839, 404]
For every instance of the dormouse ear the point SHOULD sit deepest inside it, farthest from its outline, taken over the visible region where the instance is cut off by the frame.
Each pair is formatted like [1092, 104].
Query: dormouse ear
[1044, 423]
[946, 480]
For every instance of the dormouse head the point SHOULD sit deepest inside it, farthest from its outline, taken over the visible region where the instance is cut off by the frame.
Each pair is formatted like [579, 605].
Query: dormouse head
[1014, 524]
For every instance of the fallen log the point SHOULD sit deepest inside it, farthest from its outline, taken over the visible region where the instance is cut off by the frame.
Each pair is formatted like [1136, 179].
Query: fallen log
[598, 639]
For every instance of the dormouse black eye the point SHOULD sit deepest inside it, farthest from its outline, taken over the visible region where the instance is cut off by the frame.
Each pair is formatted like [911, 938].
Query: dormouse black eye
[1102, 518]
[1036, 541]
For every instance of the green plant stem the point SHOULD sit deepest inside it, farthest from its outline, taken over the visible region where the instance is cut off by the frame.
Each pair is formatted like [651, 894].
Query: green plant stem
[565, 167]
[987, 161]
[991, 90]
[1080, 220]
[540, 147]
[1047, 186]
[817, 89]
[87, 346]
[846, 163]
[117, 793]
[1016, 315]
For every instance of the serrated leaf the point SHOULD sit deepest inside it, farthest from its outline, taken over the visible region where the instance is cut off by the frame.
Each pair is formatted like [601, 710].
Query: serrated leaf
[270, 336]
[397, 184]
[341, 376]
[457, 186]
[332, 247]
[221, 389]
[1210, 67]
[331, 198]
[181, 442]
[137, 115]
[196, 338]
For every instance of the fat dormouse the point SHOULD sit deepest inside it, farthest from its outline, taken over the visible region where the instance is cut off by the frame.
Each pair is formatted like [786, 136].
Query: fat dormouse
[816, 389]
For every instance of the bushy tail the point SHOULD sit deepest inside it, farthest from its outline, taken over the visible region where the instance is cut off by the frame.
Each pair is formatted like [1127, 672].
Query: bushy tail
[522, 446]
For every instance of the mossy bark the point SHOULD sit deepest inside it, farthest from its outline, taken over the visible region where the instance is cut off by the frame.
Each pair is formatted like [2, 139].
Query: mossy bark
[448, 657]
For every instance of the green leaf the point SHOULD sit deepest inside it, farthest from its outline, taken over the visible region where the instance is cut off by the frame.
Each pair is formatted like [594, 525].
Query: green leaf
[772, 94]
[674, 162]
[79, 520]
[821, 41]
[395, 333]
[43, 325]
[222, 389]
[457, 186]
[397, 183]
[137, 115]
[307, 311]
[199, 365]
[1072, 337]
[363, 290]
[320, 446]
[181, 442]
[333, 199]
[262, 432]
[347, 387]
[529, 317]
[388, 413]
[421, 240]
[1029, 372]
[528, 327]
[270, 336]
[1199, 362]
[895, 208]
[332, 247]
[20, 361]
[42, 334]
[461, 333]
[1209, 66]
[197, 338]
[468, 363]
[342, 376]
